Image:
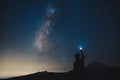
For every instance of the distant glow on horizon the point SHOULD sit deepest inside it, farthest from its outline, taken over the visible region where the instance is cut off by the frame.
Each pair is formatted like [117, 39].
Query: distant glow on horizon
[13, 65]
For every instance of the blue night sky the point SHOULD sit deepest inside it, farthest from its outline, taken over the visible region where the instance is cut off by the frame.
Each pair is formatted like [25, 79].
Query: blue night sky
[41, 35]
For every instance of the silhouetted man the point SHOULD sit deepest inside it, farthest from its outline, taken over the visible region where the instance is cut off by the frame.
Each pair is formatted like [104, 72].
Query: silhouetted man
[78, 66]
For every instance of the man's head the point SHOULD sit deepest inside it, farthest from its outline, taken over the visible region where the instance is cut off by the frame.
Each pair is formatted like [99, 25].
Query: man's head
[77, 56]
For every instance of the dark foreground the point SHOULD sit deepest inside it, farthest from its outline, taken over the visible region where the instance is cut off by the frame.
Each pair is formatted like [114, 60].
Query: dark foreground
[94, 71]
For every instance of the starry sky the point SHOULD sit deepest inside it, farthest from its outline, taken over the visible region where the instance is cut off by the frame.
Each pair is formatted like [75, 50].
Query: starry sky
[44, 35]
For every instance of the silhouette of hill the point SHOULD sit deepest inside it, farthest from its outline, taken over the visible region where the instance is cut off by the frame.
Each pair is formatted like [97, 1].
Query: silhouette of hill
[94, 71]
[97, 67]
[99, 71]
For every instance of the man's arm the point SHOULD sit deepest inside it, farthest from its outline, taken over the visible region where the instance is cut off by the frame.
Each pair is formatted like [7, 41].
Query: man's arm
[82, 54]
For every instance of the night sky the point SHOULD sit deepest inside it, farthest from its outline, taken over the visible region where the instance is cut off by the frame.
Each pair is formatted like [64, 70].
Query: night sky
[44, 35]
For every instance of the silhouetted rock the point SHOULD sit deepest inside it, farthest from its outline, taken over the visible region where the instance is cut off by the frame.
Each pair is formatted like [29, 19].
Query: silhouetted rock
[97, 67]
[99, 71]
[94, 71]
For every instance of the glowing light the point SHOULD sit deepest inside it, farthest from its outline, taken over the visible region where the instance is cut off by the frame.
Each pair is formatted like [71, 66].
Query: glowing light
[80, 48]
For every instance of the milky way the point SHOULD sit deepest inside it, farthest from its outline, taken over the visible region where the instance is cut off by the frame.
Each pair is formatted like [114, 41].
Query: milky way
[42, 40]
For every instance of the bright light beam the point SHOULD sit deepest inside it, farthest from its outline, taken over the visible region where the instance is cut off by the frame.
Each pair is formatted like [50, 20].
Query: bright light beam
[80, 48]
